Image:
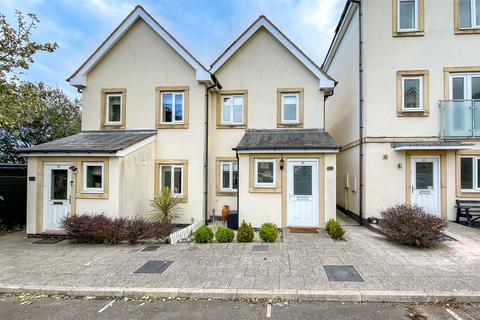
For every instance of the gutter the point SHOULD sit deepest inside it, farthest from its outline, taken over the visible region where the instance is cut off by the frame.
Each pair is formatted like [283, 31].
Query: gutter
[205, 161]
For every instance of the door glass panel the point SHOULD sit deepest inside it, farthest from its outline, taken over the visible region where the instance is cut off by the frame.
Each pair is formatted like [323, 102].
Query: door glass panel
[407, 14]
[59, 183]
[167, 107]
[167, 177]
[302, 180]
[177, 178]
[423, 175]
[458, 86]
[466, 173]
[465, 13]
[178, 107]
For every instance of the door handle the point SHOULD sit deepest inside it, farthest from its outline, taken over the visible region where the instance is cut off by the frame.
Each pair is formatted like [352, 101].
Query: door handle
[412, 189]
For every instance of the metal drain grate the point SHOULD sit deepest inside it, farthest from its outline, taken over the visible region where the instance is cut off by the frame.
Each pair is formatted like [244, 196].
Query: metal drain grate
[150, 248]
[259, 248]
[342, 273]
[154, 267]
[48, 240]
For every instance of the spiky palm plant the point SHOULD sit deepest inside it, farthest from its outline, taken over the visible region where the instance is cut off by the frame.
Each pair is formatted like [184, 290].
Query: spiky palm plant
[165, 206]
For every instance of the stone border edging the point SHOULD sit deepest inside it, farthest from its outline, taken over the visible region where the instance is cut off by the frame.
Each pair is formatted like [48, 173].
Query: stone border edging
[295, 295]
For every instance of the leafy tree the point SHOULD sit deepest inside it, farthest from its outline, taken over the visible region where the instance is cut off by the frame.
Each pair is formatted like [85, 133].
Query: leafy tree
[30, 113]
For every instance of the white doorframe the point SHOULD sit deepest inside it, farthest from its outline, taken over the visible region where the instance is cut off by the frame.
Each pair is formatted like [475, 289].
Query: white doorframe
[429, 197]
[302, 204]
[54, 209]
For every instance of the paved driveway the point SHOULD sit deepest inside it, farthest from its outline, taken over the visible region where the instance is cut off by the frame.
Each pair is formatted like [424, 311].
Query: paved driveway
[296, 264]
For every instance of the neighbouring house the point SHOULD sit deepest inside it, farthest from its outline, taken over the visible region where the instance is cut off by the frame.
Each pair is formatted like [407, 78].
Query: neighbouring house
[248, 133]
[405, 109]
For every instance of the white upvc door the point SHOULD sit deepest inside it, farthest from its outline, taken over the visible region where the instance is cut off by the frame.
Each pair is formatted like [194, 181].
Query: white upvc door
[56, 195]
[426, 183]
[302, 202]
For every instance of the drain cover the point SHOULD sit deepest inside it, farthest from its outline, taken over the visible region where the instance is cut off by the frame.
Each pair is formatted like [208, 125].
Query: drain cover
[342, 273]
[259, 248]
[48, 240]
[154, 267]
[150, 248]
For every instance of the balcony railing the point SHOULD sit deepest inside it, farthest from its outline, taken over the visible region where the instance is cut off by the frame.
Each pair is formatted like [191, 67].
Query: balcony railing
[460, 118]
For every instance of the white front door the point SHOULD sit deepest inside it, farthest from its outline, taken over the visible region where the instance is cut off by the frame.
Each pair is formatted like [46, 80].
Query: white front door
[56, 195]
[302, 202]
[426, 183]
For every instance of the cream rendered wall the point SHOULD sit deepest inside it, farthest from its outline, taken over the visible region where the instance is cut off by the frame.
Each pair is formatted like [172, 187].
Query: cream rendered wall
[261, 66]
[385, 55]
[140, 62]
[32, 196]
[110, 206]
[136, 182]
[330, 205]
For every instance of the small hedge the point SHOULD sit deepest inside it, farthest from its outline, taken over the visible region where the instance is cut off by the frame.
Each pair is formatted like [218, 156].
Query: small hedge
[411, 225]
[98, 228]
[245, 232]
[334, 229]
[268, 232]
[224, 235]
[203, 235]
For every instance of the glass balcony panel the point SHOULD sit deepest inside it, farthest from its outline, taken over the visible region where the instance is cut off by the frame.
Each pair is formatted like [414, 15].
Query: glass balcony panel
[476, 118]
[457, 118]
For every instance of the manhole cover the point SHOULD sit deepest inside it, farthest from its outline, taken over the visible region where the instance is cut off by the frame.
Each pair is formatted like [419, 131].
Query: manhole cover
[150, 248]
[342, 273]
[48, 240]
[154, 267]
[259, 248]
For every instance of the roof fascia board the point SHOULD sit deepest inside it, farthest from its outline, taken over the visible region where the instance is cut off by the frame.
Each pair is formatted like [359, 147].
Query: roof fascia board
[290, 151]
[67, 154]
[337, 40]
[324, 81]
[459, 147]
[79, 79]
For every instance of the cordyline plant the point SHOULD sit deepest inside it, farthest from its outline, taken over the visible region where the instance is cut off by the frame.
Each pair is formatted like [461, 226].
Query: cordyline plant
[411, 225]
[165, 206]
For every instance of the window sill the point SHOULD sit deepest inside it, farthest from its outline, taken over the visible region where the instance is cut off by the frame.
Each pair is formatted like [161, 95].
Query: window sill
[468, 194]
[468, 31]
[227, 193]
[112, 126]
[419, 113]
[289, 125]
[265, 190]
[408, 34]
[172, 126]
[91, 195]
[231, 126]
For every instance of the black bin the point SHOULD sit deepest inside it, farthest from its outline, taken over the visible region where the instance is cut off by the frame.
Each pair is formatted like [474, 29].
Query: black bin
[232, 220]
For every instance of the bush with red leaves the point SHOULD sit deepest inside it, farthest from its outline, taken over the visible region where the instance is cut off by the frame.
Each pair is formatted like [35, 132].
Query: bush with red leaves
[98, 228]
[411, 225]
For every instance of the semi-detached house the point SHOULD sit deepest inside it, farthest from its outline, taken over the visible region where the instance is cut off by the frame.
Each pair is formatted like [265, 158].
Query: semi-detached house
[248, 133]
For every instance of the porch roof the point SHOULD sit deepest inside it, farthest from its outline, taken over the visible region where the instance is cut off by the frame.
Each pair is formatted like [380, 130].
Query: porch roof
[431, 145]
[287, 139]
[109, 141]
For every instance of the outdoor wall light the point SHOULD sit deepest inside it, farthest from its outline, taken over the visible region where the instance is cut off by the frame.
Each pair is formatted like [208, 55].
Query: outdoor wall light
[282, 163]
[73, 168]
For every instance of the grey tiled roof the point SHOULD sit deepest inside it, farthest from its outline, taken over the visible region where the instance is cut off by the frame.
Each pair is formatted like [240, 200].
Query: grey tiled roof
[286, 139]
[93, 141]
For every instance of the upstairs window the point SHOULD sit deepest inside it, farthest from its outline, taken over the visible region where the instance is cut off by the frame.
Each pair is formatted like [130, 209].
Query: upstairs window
[114, 109]
[290, 108]
[468, 14]
[172, 104]
[232, 109]
[407, 19]
[412, 93]
[228, 176]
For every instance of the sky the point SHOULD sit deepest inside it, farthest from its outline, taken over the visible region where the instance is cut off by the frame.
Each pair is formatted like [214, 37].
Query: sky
[205, 28]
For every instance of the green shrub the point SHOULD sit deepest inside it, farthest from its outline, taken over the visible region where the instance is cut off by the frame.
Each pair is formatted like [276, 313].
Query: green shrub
[245, 232]
[334, 229]
[165, 206]
[268, 232]
[224, 235]
[411, 225]
[203, 235]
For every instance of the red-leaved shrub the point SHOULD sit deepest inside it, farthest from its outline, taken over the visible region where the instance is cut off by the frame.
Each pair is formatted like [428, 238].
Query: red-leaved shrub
[98, 228]
[411, 225]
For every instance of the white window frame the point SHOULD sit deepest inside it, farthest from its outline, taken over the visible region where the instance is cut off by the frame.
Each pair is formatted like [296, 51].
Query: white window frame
[473, 16]
[297, 113]
[174, 106]
[420, 100]
[107, 111]
[262, 184]
[415, 28]
[172, 176]
[84, 176]
[467, 78]
[475, 168]
[231, 165]
[231, 122]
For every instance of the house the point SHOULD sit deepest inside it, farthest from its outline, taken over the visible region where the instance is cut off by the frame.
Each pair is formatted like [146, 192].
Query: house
[248, 133]
[404, 110]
